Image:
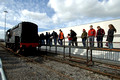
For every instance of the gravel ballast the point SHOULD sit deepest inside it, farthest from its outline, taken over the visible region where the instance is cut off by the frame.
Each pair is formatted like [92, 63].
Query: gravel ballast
[17, 68]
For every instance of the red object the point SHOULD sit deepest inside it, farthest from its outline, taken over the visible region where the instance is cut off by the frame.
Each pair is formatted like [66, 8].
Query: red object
[69, 38]
[83, 29]
[91, 32]
[106, 44]
[29, 44]
[102, 32]
[61, 35]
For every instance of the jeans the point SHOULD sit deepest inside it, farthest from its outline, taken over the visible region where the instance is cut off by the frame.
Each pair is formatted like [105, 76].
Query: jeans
[110, 45]
[91, 40]
[47, 41]
[50, 42]
[84, 42]
[42, 42]
[70, 41]
[55, 41]
[60, 41]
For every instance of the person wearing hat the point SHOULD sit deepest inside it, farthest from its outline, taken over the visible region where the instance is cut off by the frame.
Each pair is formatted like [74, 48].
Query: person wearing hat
[73, 35]
[84, 37]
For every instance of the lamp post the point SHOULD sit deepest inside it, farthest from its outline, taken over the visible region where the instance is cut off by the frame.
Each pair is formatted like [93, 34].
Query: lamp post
[5, 23]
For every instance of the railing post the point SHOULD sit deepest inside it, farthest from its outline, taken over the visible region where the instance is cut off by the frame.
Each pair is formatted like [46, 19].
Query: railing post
[49, 48]
[39, 48]
[56, 48]
[64, 48]
[46, 47]
[87, 48]
[91, 55]
[70, 51]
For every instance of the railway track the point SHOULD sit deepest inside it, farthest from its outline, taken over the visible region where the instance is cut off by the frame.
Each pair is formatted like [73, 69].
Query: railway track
[28, 59]
[90, 68]
[75, 63]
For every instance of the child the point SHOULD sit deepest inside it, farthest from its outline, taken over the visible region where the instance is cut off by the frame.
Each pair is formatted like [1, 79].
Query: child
[69, 39]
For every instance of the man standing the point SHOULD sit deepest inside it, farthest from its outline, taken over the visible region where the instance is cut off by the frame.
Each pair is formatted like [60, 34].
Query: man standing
[84, 37]
[73, 36]
[47, 38]
[100, 35]
[61, 37]
[91, 35]
[55, 36]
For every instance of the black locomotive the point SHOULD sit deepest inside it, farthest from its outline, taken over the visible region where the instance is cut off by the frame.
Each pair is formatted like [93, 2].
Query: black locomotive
[22, 36]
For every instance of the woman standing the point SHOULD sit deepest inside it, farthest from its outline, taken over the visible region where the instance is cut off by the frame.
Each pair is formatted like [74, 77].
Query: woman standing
[110, 35]
[84, 37]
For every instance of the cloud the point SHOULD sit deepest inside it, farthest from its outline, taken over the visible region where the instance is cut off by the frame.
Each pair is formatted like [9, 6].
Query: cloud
[35, 16]
[39, 18]
[71, 10]
[2, 24]
[52, 14]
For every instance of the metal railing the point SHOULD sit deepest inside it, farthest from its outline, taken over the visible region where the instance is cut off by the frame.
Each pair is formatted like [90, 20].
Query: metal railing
[89, 53]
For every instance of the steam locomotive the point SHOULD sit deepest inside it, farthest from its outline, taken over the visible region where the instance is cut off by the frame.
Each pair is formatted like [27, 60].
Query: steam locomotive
[22, 36]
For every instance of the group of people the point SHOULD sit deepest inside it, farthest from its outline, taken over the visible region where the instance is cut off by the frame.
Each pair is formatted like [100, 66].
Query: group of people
[58, 38]
[49, 37]
[99, 36]
[72, 37]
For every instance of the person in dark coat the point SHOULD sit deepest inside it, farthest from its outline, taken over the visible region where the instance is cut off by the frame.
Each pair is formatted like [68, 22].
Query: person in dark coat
[47, 37]
[99, 36]
[84, 37]
[110, 35]
[55, 37]
[73, 36]
[50, 38]
[42, 38]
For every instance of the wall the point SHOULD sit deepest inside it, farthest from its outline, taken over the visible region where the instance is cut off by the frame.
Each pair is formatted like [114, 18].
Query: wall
[78, 29]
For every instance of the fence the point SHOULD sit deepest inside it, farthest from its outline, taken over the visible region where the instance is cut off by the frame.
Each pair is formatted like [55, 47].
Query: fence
[89, 53]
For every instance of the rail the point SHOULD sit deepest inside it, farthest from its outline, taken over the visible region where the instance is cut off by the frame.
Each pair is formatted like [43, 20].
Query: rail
[88, 53]
[2, 73]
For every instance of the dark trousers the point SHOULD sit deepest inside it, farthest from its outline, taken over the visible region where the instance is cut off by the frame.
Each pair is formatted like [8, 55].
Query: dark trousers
[43, 42]
[60, 41]
[50, 42]
[47, 41]
[74, 41]
[55, 41]
[100, 42]
[84, 42]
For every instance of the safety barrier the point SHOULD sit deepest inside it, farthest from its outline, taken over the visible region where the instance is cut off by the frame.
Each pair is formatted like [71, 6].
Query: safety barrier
[89, 53]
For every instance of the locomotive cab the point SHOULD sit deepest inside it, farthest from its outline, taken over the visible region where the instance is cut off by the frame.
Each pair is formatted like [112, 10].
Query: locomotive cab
[23, 35]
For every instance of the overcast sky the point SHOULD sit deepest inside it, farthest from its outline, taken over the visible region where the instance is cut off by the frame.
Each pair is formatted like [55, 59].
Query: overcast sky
[54, 14]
